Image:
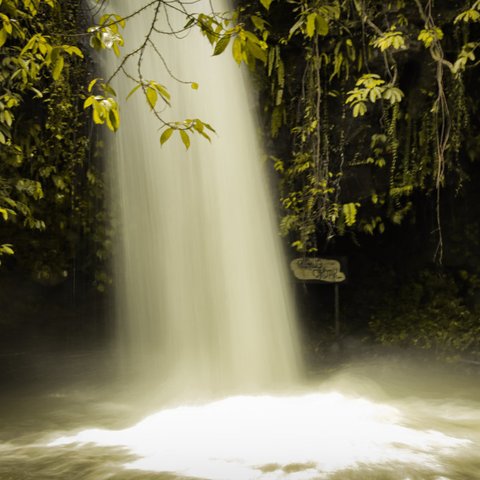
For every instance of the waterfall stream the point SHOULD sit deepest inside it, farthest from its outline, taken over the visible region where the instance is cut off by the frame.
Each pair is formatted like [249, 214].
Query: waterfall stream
[204, 301]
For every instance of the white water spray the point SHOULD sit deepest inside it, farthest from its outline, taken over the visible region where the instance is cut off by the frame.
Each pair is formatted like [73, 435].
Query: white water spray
[203, 298]
[321, 436]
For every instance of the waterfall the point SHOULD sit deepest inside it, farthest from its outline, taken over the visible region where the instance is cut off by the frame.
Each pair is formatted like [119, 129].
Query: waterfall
[203, 298]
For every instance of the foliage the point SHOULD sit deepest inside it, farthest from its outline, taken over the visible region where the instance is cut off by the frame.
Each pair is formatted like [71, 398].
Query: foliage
[219, 28]
[375, 102]
[51, 192]
[26, 59]
[430, 313]
[50, 181]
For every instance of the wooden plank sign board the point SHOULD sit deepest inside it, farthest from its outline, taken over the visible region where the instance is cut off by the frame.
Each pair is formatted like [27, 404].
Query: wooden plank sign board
[322, 270]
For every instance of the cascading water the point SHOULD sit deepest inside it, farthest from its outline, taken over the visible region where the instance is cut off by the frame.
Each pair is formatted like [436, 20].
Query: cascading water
[204, 300]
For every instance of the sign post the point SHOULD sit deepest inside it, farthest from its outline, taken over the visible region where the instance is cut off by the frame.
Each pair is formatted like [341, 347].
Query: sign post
[337, 310]
[323, 270]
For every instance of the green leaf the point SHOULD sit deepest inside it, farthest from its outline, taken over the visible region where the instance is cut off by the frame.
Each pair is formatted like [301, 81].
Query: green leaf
[374, 94]
[92, 84]
[8, 117]
[71, 50]
[7, 23]
[133, 90]
[359, 109]
[7, 249]
[185, 138]
[350, 213]
[258, 22]
[166, 135]
[470, 15]
[152, 96]
[113, 119]
[321, 25]
[266, 3]
[310, 27]
[393, 94]
[221, 45]
[199, 127]
[96, 43]
[370, 80]
[380, 162]
[162, 91]
[38, 93]
[89, 101]
[97, 113]
[107, 88]
[3, 37]
[121, 21]
[256, 51]
[354, 95]
[58, 67]
[428, 36]
[237, 50]
[204, 135]
[295, 27]
[190, 22]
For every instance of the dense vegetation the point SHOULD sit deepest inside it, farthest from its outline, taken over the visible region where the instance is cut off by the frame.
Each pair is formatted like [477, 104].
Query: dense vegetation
[375, 102]
[380, 110]
[51, 192]
[372, 130]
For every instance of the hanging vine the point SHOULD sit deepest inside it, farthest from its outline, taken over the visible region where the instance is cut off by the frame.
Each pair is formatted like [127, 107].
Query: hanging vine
[379, 114]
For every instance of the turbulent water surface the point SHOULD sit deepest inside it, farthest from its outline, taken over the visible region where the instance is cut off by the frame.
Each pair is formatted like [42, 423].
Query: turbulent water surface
[387, 421]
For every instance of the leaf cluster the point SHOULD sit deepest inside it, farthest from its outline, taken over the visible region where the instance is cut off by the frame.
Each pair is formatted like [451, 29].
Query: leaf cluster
[51, 190]
[348, 84]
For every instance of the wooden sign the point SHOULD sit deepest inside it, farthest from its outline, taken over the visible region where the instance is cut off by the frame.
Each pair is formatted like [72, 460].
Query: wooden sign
[322, 270]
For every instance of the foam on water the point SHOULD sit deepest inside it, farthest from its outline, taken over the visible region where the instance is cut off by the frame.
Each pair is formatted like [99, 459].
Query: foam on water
[302, 437]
